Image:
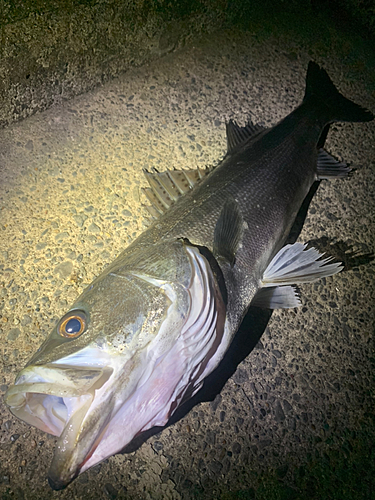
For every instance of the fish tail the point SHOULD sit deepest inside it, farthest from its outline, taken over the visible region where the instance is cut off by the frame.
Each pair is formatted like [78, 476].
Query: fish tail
[333, 105]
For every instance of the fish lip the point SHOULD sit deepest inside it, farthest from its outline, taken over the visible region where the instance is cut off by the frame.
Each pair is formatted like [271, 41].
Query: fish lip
[26, 383]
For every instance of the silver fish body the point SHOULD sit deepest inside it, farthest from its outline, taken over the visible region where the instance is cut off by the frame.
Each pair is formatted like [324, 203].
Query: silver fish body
[143, 336]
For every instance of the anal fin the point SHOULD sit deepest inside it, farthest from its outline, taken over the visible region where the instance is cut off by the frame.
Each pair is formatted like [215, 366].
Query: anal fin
[328, 167]
[279, 297]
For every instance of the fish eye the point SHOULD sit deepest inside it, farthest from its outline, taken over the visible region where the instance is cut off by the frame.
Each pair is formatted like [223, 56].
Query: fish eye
[73, 324]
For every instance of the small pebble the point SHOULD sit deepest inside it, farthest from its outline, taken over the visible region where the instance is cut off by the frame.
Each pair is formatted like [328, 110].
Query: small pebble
[110, 491]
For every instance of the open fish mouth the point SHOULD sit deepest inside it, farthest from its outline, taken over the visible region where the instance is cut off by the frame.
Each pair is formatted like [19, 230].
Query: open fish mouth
[47, 397]
[57, 399]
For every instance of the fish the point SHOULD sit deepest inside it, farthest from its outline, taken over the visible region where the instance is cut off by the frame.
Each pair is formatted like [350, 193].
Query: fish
[143, 336]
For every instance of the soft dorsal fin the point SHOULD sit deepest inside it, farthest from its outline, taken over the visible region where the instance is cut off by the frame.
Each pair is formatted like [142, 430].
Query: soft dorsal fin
[166, 187]
[237, 135]
[228, 231]
[328, 167]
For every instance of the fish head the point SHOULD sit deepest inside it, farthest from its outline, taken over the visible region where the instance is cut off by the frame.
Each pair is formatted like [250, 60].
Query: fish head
[115, 365]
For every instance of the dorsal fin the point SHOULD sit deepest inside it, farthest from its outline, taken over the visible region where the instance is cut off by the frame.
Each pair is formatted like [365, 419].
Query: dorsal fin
[166, 187]
[237, 135]
[156, 208]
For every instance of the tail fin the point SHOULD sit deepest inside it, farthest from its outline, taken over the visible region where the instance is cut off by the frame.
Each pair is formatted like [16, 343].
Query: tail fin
[336, 107]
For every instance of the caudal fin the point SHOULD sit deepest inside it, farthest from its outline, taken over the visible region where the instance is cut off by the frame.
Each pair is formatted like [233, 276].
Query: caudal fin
[332, 104]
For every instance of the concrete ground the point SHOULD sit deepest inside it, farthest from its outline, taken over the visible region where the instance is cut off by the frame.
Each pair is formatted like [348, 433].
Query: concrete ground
[296, 419]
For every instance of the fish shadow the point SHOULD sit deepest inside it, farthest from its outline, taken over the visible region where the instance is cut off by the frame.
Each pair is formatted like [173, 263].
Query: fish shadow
[253, 327]
[350, 256]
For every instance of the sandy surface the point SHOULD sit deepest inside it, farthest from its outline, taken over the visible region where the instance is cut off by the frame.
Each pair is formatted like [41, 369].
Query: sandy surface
[297, 413]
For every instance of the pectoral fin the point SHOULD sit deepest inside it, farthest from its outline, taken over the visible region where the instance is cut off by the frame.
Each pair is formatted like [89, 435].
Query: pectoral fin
[228, 231]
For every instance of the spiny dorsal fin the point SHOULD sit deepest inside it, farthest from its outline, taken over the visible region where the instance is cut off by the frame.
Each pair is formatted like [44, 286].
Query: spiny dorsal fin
[329, 167]
[156, 208]
[166, 187]
[228, 231]
[238, 135]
